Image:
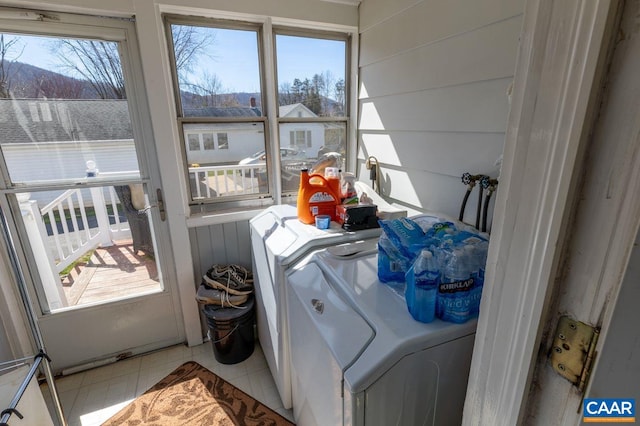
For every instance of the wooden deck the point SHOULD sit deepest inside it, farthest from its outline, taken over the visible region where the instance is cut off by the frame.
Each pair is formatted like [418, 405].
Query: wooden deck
[111, 272]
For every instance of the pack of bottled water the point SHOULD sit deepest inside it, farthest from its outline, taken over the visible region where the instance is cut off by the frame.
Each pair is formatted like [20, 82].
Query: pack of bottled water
[438, 263]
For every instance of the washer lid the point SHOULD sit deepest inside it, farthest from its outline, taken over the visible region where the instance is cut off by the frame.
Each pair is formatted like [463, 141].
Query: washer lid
[342, 329]
[287, 239]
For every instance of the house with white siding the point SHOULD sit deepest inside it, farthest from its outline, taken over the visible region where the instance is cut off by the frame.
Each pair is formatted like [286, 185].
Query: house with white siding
[67, 132]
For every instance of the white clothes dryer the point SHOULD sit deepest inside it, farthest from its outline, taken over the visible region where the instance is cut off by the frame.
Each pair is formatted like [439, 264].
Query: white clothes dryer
[278, 240]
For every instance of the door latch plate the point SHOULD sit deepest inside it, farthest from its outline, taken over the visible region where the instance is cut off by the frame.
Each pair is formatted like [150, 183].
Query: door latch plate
[573, 350]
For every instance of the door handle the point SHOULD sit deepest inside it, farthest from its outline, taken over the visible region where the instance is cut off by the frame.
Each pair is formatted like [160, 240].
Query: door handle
[160, 201]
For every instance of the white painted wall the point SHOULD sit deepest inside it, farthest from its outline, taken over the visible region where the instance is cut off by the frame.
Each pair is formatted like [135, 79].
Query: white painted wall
[433, 94]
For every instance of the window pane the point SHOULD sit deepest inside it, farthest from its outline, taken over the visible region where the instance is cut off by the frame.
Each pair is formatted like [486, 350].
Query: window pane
[194, 142]
[218, 71]
[60, 108]
[63, 227]
[311, 72]
[207, 140]
[318, 143]
[223, 142]
[238, 169]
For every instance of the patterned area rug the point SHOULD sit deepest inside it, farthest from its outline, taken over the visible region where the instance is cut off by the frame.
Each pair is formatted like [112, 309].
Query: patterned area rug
[193, 395]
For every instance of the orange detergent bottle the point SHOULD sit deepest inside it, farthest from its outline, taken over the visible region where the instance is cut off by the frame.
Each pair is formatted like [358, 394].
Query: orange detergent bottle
[316, 196]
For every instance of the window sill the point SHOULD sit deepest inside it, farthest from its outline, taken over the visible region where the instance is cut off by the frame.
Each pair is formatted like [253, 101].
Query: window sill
[221, 217]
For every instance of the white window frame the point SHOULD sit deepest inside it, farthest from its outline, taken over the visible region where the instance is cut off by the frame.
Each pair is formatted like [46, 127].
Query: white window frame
[267, 60]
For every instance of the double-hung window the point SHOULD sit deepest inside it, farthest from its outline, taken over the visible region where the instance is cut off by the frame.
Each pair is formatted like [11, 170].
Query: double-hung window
[235, 111]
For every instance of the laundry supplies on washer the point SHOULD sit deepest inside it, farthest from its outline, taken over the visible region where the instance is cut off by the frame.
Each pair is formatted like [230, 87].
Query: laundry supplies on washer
[400, 243]
[317, 195]
[459, 255]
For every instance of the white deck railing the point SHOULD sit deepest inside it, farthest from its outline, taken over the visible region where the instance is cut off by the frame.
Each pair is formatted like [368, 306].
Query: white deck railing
[74, 235]
[216, 181]
[73, 230]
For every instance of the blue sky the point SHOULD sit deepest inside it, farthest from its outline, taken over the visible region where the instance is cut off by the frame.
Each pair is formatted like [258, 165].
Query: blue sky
[232, 57]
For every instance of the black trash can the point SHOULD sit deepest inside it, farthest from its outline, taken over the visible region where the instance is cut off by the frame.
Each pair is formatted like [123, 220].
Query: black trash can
[231, 331]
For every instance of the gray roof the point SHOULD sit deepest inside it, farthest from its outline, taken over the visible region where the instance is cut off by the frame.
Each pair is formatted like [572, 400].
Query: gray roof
[222, 112]
[37, 120]
[285, 110]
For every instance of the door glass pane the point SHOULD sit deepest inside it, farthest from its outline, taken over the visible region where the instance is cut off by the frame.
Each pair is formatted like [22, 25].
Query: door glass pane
[238, 167]
[89, 245]
[64, 117]
[61, 108]
[311, 72]
[225, 79]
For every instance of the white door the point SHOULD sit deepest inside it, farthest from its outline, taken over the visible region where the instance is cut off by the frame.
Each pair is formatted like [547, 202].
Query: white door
[81, 188]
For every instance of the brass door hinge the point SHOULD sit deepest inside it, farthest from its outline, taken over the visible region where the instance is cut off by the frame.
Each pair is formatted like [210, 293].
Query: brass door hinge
[573, 351]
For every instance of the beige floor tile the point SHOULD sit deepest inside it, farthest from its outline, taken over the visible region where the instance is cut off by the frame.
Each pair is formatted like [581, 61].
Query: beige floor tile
[91, 397]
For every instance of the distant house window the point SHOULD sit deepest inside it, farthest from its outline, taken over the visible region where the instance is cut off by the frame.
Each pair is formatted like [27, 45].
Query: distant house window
[300, 138]
[207, 141]
[193, 140]
[46, 112]
[33, 110]
[223, 141]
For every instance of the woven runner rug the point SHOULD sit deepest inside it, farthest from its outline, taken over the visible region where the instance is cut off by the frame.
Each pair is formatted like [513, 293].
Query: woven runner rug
[193, 395]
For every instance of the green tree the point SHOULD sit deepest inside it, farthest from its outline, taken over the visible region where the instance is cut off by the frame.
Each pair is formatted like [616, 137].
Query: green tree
[315, 93]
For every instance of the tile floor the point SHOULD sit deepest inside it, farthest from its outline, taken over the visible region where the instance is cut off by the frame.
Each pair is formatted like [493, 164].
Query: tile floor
[92, 396]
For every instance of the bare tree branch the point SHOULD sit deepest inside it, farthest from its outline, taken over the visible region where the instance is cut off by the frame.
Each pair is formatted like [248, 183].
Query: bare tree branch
[8, 45]
[189, 43]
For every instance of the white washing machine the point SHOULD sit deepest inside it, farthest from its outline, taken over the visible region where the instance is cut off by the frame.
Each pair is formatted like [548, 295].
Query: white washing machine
[278, 240]
[357, 355]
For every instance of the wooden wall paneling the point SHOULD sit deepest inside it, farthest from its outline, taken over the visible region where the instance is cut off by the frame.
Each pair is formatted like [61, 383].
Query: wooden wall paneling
[372, 12]
[426, 22]
[477, 107]
[450, 153]
[486, 54]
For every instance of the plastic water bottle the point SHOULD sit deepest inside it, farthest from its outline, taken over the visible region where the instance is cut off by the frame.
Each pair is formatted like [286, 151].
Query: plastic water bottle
[423, 279]
[476, 270]
[481, 258]
[454, 292]
[482, 248]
